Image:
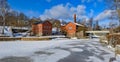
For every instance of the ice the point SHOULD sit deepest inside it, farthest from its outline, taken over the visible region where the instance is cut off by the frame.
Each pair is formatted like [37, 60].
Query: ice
[58, 54]
[80, 45]
[67, 46]
[76, 50]
[118, 58]
[97, 50]
[94, 59]
[25, 48]
[50, 52]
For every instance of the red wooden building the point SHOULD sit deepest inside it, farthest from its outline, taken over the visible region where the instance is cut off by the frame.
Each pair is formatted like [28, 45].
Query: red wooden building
[42, 28]
[69, 29]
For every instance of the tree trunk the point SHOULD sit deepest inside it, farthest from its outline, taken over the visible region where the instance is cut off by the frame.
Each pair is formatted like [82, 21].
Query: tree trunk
[3, 24]
[119, 23]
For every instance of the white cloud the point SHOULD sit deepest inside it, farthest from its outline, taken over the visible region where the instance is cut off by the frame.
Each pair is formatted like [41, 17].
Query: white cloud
[56, 12]
[88, 1]
[91, 13]
[32, 13]
[64, 12]
[103, 15]
[81, 9]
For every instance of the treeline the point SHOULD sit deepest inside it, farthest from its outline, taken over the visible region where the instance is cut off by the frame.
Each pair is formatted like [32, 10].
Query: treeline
[9, 17]
[14, 19]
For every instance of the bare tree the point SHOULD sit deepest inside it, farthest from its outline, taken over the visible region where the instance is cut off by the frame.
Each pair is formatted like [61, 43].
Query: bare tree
[4, 7]
[110, 4]
[114, 5]
[118, 9]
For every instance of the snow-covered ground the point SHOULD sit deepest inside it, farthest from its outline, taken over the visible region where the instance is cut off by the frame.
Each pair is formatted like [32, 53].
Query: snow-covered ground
[58, 50]
[23, 48]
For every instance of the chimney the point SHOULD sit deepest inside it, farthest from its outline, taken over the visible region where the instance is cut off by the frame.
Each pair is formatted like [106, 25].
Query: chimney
[74, 18]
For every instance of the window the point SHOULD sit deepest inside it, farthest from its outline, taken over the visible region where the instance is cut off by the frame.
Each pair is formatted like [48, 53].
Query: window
[70, 28]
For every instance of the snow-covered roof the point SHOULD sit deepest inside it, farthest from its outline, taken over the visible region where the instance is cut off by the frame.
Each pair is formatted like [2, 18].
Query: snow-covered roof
[63, 24]
[74, 23]
[78, 24]
[97, 31]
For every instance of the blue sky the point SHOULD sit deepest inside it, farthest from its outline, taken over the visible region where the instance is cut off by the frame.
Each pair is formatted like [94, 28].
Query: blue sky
[39, 6]
[62, 9]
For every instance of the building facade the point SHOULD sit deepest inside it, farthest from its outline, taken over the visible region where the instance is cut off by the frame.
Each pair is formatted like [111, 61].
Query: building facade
[46, 28]
[42, 28]
[69, 29]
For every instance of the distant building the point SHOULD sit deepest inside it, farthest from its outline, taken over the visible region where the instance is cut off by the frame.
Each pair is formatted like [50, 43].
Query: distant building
[72, 28]
[56, 27]
[7, 31]
[63, 29]
[56, 31]
[42, 28]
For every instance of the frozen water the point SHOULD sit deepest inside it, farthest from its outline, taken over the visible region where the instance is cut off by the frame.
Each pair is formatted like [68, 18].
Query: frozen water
[58, 54]
[76, 50]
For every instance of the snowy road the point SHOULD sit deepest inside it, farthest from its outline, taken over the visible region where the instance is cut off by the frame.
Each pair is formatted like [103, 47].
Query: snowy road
[55, 51]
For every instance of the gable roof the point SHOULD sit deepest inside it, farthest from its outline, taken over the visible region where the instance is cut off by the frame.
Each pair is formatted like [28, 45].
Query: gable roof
[41, 22]
[79, 24]
[47, 21]
[69, 23]
[73, 23]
